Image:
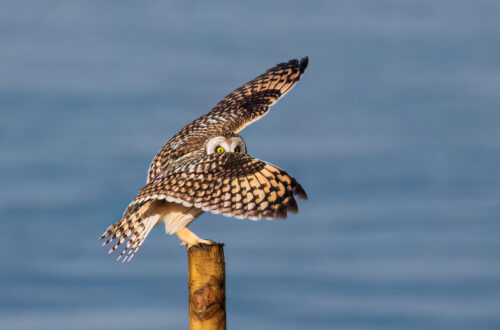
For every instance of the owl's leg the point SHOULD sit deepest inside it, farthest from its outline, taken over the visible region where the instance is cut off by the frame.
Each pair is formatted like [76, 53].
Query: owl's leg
[189, 238]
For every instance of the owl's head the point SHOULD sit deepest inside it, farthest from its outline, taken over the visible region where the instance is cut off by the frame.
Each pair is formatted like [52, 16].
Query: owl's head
[230, 143]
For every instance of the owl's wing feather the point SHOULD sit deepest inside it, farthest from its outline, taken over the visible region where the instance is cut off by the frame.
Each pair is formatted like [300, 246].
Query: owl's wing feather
[252, 101]
[232, 184]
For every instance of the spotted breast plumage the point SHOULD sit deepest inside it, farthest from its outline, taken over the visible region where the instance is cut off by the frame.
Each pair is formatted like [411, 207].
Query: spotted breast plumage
[205, 168]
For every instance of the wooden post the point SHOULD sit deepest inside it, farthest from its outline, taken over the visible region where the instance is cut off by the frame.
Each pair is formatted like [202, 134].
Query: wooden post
[207, 287]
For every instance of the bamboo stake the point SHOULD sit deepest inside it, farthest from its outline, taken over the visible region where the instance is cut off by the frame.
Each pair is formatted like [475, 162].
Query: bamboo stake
[207, 287]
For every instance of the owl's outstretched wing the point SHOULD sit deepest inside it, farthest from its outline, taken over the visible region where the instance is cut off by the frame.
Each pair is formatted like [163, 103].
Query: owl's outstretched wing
[236, 111]
[252, 100]
[232, 184]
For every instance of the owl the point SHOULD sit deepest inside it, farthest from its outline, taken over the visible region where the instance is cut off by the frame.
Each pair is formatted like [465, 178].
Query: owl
[205, 168]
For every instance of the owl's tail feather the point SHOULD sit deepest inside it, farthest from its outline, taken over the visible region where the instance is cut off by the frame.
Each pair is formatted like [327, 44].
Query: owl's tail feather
[132, 227]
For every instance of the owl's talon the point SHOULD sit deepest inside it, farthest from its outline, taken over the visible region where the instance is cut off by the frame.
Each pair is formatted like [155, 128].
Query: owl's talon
[206, 241]
[200, 242]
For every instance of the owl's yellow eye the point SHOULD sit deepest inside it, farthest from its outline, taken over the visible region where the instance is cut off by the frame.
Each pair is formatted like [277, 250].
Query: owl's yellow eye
[219, 149]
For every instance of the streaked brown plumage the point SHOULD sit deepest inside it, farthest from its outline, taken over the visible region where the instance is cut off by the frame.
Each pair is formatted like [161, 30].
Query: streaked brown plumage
[191, 175]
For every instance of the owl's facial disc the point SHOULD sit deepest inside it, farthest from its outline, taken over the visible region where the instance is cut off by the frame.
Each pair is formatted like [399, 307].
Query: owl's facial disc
[222, 144]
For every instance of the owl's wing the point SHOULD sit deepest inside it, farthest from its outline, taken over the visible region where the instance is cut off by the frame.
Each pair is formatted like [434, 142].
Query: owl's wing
[252, 100]
[228, 183]
[237, 110]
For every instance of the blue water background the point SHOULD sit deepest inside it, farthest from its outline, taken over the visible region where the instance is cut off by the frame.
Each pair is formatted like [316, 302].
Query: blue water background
[394, 131]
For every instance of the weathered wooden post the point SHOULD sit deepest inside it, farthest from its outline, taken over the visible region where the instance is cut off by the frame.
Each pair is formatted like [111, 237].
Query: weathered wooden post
[207, 287]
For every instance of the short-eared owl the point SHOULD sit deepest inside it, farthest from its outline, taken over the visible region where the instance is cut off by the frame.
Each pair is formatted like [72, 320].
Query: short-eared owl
[205, 168]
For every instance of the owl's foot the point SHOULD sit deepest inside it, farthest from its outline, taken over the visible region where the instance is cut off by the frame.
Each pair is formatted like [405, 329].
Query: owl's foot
[190, 239]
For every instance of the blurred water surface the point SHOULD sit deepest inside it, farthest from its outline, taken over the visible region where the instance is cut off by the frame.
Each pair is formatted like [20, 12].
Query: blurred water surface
[393, 131]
